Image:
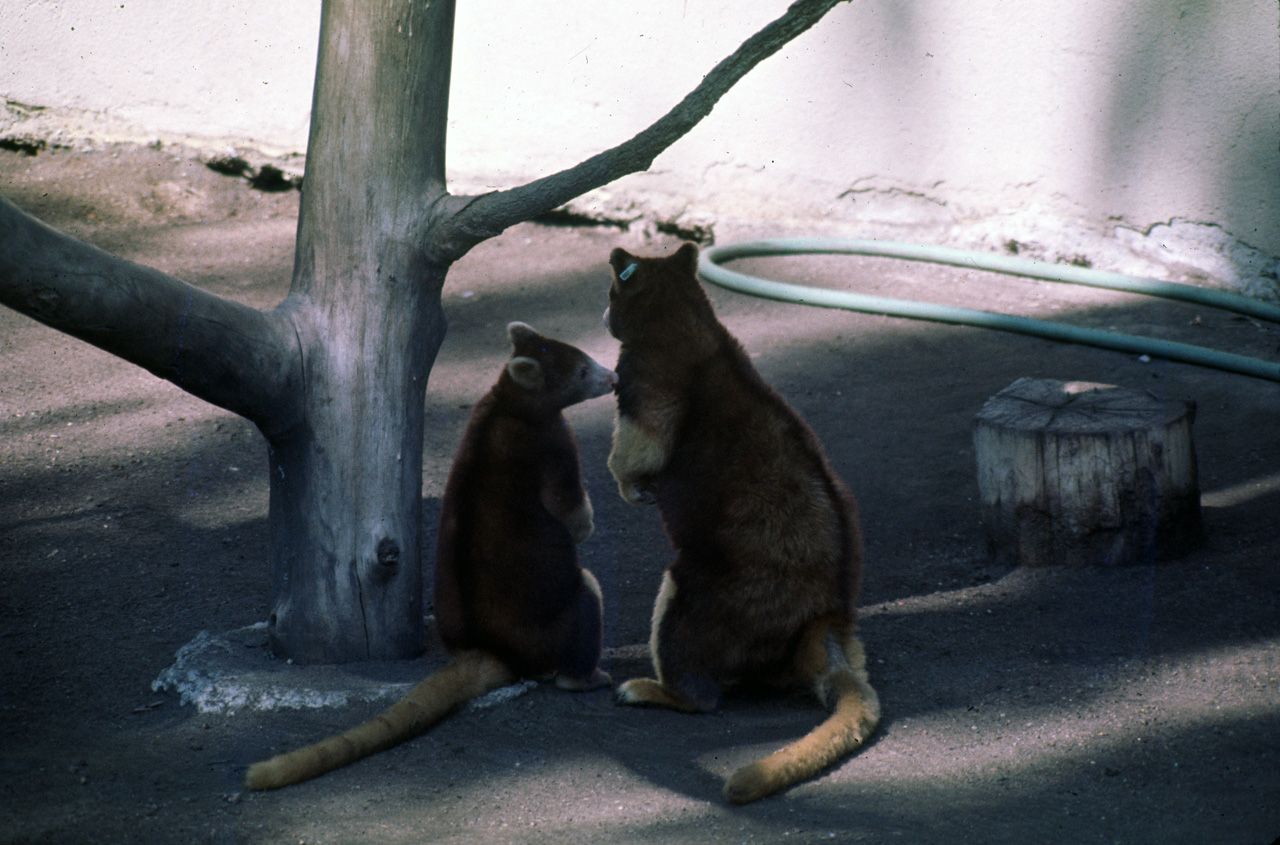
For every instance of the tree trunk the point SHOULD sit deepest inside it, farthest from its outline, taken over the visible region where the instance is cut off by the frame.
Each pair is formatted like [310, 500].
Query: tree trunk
[335, 378]
[1083, 474]
[346, 484]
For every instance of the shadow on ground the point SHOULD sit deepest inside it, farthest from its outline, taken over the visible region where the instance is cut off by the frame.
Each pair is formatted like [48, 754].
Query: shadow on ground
[1093, 705]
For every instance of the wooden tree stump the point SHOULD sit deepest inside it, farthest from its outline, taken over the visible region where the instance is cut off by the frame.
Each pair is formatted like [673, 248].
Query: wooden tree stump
[1081, 474]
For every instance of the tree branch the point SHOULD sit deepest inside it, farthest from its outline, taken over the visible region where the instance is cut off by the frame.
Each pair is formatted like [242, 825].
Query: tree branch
[462, 222]
[226, 353]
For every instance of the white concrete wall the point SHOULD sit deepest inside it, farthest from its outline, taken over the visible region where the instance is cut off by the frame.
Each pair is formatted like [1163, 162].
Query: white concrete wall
[935, 112]
[242, 69]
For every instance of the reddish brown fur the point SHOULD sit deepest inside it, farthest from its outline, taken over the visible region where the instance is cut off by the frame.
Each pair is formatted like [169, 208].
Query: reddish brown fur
[507, 578]
[768, 549]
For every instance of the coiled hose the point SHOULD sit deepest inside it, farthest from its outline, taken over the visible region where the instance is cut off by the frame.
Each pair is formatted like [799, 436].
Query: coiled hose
[712, 257]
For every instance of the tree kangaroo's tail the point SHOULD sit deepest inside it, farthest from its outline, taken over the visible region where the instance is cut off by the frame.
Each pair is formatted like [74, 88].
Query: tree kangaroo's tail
[842, 680]
[467, 675]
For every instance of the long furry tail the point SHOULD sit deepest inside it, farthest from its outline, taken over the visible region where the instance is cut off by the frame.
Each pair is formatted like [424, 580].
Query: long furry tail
[466, 676]
[856, 714]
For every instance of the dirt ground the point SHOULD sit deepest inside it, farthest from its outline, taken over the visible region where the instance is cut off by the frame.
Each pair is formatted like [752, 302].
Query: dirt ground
[1139, 705]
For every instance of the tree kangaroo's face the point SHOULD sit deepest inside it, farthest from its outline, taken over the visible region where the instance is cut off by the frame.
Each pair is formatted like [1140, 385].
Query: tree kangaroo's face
[563, 374]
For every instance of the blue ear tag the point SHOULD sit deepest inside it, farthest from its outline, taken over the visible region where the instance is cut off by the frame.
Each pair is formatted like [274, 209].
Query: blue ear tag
[626, 274]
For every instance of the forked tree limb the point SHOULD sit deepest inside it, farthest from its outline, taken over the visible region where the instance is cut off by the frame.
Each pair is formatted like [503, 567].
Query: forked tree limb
[460, 222]
[248, 361]
[229, 354]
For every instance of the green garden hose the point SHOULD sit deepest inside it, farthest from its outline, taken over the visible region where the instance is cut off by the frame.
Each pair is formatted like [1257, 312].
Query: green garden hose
[712, 257]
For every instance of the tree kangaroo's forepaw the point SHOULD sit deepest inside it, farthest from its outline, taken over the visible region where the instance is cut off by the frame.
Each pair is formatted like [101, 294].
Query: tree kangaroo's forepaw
[580, 521]
[580, 526]
[641, 491]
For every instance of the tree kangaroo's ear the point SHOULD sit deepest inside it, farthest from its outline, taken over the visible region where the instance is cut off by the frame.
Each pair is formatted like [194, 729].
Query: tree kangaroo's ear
[686, 255]
[526, 372]
[624, 266]
[518, 332]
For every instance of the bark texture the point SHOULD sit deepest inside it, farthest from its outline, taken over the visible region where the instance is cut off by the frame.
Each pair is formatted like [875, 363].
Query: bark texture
[346, 481]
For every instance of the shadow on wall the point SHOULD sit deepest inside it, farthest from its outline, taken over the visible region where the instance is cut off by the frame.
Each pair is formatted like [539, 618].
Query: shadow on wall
[1186, 71]
[1126, 116]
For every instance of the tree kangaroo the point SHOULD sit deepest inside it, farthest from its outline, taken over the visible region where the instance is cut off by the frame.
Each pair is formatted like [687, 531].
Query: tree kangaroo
[511, 599]
[768, 561]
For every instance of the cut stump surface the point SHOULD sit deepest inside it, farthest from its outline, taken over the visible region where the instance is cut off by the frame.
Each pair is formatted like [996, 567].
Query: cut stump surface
[1075, 473]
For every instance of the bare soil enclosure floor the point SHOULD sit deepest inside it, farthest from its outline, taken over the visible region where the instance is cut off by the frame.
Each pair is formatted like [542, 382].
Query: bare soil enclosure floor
[1077, 706]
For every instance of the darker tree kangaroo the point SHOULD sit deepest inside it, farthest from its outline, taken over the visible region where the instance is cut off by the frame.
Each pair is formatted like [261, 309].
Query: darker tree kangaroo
[511, 599]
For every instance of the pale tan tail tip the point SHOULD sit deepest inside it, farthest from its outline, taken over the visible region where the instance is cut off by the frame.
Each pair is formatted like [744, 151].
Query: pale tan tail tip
[750, 783]
[254, 780]
[260, 777]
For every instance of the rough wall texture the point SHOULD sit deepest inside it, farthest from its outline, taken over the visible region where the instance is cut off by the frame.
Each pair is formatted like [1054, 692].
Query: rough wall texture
[979, 121]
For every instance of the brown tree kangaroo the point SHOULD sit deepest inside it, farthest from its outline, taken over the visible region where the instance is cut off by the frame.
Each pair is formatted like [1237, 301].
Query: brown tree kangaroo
[768, 561]
[511, 599]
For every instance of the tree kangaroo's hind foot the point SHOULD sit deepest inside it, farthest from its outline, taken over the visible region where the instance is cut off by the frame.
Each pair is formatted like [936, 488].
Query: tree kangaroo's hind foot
[845, 684]
[652, 693]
